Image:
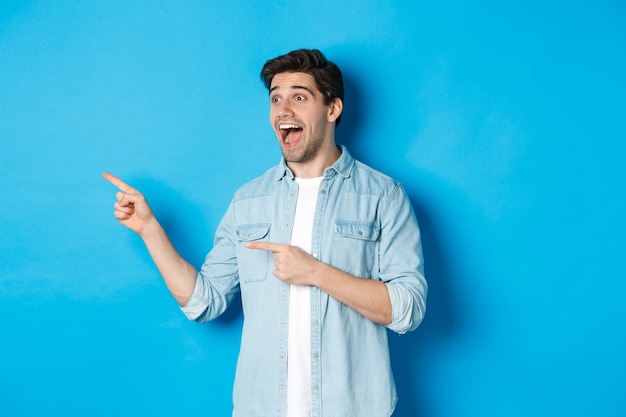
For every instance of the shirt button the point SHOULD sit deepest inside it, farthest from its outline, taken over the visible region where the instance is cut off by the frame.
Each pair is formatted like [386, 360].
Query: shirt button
[282, 388]
[323, 191]
[315, 255]
[314, 321]
[315, 386]
[315, 356]
[283, 322]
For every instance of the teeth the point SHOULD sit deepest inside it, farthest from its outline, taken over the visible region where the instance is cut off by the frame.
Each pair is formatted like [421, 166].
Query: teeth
[288, 127]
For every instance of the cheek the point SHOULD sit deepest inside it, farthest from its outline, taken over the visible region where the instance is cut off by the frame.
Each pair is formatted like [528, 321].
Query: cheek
[272, 120]
[273, 115]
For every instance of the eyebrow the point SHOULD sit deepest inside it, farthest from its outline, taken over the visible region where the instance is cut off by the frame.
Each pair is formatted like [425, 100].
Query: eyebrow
[295, 87]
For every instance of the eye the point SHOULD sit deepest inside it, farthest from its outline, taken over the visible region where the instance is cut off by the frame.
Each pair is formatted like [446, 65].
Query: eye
[299, 98]
[274, 99]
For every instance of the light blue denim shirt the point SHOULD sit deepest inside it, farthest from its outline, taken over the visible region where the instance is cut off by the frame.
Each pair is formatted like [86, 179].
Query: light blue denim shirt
[364, 225]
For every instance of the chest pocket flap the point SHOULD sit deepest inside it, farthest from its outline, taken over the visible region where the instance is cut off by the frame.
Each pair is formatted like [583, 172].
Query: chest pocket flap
[252, 232]
[357, 230]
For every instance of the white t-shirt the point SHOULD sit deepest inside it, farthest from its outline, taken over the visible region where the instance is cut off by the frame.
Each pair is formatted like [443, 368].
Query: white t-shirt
[299, 344]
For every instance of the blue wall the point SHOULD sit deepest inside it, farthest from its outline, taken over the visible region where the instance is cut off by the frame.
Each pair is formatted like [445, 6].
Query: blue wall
[504, 120]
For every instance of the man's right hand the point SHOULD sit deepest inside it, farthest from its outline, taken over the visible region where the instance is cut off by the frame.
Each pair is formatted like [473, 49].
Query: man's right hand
[131, 208]
[134, 212]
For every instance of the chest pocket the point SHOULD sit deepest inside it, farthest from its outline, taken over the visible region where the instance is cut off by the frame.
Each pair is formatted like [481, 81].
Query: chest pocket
[354, 247]
[253, 264]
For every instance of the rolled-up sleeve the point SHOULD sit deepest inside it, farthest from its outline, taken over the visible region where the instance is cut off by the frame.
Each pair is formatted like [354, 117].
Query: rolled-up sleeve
[408, 303]
[217, 281]
[197, 306]
[401, 263]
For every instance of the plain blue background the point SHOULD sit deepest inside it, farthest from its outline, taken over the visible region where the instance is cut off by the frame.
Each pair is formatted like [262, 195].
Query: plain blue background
[505, 121]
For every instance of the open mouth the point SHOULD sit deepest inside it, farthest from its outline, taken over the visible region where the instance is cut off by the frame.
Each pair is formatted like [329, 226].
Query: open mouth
[289, 132]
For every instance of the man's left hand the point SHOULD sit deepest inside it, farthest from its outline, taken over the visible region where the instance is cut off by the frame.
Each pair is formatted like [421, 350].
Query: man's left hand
[292, 264]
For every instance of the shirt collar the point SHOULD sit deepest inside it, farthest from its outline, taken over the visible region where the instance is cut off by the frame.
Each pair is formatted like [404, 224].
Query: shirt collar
[343, 166]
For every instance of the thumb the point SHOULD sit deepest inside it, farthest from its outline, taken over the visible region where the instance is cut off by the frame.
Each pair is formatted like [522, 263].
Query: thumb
[125, 198]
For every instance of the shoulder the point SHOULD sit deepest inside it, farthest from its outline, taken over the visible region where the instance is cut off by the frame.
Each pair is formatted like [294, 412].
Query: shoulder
[262, 185]
[367, 180]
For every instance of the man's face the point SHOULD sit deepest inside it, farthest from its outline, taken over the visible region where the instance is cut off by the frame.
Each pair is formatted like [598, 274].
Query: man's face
[300, 118]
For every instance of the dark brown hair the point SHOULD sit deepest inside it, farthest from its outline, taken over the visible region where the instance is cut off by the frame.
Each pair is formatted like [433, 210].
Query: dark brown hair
[326, 74]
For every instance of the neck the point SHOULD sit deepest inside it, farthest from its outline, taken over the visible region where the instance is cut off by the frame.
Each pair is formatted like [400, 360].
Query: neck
[315, 167]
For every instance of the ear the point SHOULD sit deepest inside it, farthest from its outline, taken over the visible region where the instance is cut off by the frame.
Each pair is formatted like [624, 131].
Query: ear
[334, 110]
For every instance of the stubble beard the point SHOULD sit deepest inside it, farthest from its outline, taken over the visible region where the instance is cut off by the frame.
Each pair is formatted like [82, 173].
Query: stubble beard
[308, 150]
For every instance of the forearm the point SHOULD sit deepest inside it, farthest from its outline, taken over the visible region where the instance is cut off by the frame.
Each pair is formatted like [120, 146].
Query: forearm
[293, 265]
[178, 274]
[368, 297]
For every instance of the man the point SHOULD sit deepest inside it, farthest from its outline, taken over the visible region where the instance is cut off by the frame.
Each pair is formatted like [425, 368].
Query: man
[325, 251]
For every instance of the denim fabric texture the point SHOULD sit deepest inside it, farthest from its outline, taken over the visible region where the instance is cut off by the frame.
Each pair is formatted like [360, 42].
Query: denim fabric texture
[364, 225]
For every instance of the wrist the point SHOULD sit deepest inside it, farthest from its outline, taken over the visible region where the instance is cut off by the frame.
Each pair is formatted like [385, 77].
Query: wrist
[151, 229]
[319, 274]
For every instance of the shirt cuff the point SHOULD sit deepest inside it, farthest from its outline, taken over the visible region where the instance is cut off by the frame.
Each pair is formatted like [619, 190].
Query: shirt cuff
[197, 304]
[407, 313]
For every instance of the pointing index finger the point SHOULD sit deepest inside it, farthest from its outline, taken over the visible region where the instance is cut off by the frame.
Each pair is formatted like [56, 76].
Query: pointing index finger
[121, 185]
[268, 246]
